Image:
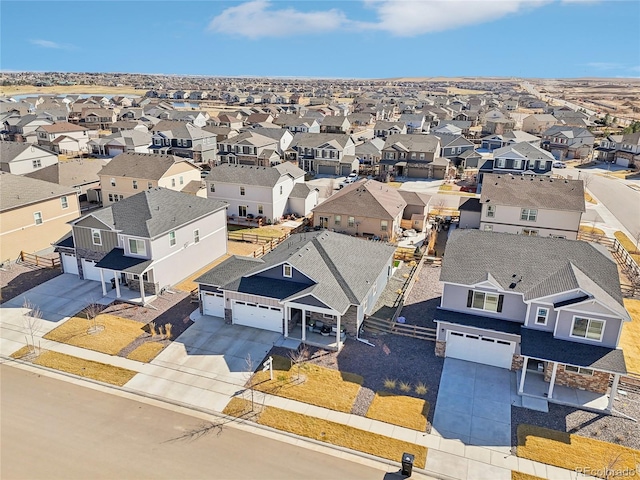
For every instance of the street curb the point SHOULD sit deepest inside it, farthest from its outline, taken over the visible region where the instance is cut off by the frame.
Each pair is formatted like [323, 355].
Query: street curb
[232, 421]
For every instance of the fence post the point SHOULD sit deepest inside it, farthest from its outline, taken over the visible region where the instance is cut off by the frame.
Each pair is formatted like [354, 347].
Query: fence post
[37, 261]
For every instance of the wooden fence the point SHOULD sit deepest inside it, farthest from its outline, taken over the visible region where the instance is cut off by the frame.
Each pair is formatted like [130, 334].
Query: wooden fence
[38, 261]
[388, 326]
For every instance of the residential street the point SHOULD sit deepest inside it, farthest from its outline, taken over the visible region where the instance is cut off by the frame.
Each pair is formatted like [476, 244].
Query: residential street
[53, 429]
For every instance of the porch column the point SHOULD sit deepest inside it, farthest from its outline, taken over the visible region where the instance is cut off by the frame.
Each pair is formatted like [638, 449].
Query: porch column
[287, 317]
[614, 389]
[524, 373]
[115, 275]
[338, 333]
[552, 382]
[104, 288]
[141, 282]
[304, 325]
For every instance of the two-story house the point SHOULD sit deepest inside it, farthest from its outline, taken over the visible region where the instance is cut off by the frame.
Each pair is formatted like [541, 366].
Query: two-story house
[628, 151]
[567, 142]
[250, 148]
[313, 280]
[606, 150]
[324, 153]
[493, 142]
[384, 129]
[517, 159]
[547, 307]
[147, 242]
[532, 205]
[130, 173]
[184, 140]
[335, 124]
[124, 141]
[33, 214]
[23, 128]
[263, 194]
[296, 124]
[63, 137]
[415, 122]
[20, 158]
[452, 146]
[98, 118]
[412, 155]
[538, 123]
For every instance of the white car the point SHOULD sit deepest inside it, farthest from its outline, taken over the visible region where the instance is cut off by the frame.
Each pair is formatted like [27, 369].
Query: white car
[559, 164]
[410, 233]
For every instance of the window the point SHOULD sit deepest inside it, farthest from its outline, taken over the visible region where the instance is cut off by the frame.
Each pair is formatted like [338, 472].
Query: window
[36, 163]
[337, 220]
[578, 370]
[196, 236]
[327, 315]
[135, 184]
[491, 211]
[242, 191]
[260, 209]
[111, 197]
[384, 224]
[212, 188]
[64, 202]
[517, 163]
[588, 328]
[149, 185]
[173, 182]
[500, 162]
[529, 232]
[113, 182]
[280, 189]
[287, 271]
[172, 238]
[542, 315]
[558, 236]
[351, 221]
[137, 247]
[37, 218]
[181, 180]
[242, 210]
[96, 236]
[529, 214]
[490, 302]
[488, 228]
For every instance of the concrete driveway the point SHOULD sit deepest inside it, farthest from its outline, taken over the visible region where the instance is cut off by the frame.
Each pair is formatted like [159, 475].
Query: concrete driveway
[213, 353]
[474, 403]
[59, 298]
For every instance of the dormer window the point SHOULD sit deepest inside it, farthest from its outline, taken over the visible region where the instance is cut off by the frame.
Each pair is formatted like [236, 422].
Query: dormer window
[287, 271]
[491, 211]
[541, 316]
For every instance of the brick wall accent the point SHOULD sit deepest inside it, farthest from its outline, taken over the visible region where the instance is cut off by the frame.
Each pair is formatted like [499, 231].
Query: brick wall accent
[440, 348]
[598, 382]
[89, 255]
[517, 362]
[228, 316]
[348, 321]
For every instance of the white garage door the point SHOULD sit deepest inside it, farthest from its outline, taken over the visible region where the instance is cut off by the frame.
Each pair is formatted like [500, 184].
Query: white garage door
[69, 264]
[90, 271]
[213, 304]
[257, 316]
[474, 348]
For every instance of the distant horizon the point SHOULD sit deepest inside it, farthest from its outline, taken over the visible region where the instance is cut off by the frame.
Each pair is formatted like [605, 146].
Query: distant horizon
[359, 39]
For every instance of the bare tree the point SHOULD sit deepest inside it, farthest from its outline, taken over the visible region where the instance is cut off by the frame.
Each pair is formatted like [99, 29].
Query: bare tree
[249, 369]
[299, 358]
[91, 312]
[32, 321]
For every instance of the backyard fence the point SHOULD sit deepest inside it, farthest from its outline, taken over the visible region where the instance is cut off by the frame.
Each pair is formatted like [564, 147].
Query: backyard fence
[38, 261]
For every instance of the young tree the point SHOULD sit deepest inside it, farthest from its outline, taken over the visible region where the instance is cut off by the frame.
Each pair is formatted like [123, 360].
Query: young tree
[91, 312]
[249, 369]
[32, 321]
[299, 358]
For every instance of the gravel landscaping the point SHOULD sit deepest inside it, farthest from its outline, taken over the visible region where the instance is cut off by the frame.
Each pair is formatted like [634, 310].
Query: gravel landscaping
[608, 428]
[424, 298]
[17, 278]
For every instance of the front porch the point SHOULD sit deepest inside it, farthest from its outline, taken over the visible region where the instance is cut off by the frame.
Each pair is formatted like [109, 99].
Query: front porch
[316, 326]
[127, 278]
[315, 339]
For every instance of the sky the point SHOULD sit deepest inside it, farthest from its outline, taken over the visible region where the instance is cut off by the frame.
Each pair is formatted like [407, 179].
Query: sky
[328, 39]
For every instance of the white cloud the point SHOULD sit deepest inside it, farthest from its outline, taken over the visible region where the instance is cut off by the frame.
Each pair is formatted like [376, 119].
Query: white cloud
[50, 44]
[604, 65]
[256, 19]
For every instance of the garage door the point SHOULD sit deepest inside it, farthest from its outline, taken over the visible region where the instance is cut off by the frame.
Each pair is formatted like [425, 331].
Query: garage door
[326, 169]
[479, 349]
[345, 169]
[257, 316]
[69, 264]
[213, 304]
[90, 271]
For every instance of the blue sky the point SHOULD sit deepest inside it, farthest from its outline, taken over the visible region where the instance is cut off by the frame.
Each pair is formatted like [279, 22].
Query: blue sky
[357, 38]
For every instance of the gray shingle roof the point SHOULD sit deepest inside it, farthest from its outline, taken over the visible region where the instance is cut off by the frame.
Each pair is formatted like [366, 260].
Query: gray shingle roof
[141, 165]
[9, 151]
[17, 191]
[245, 175]
[301, 190]
[71, 173]
[533, 192]
[156, 211]
[533, 266]
[317, 139]
[342, 277]
[525, 149]
[291, 169]
[415, 142]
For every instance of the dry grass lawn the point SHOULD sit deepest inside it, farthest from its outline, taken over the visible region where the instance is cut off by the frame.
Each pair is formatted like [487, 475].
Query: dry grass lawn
[78, 366]
[317, 385]
[188, 283]
[118, 332]
[630, 337]
[409, 412]
[591, 230]
[146, 352]
[572, 451]
[524, 476]
[331, 432]
[273, 231]
[589, 199]
[242, 249]
[69, 89]
[445, 188]
[629, 245]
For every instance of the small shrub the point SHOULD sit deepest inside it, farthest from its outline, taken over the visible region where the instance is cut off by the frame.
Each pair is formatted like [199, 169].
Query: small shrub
[282, 377]
[167, 330]
[152, 329]
[389, 384]
[405, 387]
[421, 388]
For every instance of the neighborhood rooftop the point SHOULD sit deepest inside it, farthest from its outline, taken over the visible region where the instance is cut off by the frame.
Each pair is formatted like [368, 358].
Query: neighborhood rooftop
[16, 191]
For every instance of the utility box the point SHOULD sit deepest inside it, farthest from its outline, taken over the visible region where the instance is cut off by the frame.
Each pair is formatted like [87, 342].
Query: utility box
[407, 464]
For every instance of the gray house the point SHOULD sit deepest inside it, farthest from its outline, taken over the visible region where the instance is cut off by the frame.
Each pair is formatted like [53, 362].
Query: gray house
[185, 140]
[550, 308]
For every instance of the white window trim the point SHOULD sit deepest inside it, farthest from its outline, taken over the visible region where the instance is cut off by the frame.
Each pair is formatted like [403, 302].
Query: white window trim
[587, 372]
[573, 324]
[196, 235]
[138, 253]
[285, 269]
[529, 210]
[546, 317]
[491, 211]
[93, 238]
[484, 302]
[172, 238]
[37, 218]
[64, 202]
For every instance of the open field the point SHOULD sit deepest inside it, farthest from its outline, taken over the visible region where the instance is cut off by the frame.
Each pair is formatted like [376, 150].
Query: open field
[69, 89]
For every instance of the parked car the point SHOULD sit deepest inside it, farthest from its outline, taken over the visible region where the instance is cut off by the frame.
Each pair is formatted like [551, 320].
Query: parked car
[559, 164]
[468, 189]
[410, 233]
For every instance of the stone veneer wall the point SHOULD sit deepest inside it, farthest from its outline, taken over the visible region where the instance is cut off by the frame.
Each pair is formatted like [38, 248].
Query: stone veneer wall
[228, 316]
[517, 363]
[89, 255]
[440, 348]
[598, 382]
[348, 321]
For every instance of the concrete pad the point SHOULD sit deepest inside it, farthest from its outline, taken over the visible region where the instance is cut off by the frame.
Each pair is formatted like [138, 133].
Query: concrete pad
[497, 411]
[447, 464]
[496, 392]
[482, 471]
[533, 403]
[452, 446]
[504, 461]
[526, 466]
[456, 404]
[490, 431]
[456, 423]
[459, 367]
[478, 453]
[429, 440]
[456, 385]
[560, 473]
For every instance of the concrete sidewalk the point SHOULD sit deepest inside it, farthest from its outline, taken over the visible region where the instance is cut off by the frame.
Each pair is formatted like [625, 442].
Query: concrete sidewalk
[447, 458]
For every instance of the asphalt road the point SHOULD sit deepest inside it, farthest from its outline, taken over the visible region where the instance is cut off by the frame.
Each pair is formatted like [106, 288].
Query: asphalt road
[51, 429]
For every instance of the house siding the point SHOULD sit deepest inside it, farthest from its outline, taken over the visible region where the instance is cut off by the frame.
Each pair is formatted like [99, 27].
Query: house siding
[441, 334]
[277, 273]
[551, 319]
[611, 329]
[454, 297]
[84, 239]
[548, 222]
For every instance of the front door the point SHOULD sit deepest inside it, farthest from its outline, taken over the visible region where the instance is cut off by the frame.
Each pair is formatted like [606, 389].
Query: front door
[242, 211]
[324, 222]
